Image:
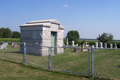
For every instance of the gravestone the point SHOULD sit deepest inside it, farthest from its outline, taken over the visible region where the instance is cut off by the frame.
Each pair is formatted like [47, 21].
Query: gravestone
[12, 44]
[83, 46]
[105, 45]
[96, 44]
[15, 45]
[4, 45]
[76, 45]
[77, 49]
[73, 43]
[111, 46]
[115, 45]
[67, 42]
[101, 45]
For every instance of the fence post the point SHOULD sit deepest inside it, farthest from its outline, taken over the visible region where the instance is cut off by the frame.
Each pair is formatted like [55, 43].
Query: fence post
[24, 54]
[92, 62]
[88, 61]
[49, 67]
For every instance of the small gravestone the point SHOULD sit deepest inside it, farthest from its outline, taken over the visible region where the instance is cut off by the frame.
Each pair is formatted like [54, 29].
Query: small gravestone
[111, 46]
[83, 48]
[101, 45]
[105, 45]
[115, 46]
[67, 42]
[12, 44]
[15, 45]
[73, 43]
[76, 45]
[77, 49]
[4, 45]
[96, 44]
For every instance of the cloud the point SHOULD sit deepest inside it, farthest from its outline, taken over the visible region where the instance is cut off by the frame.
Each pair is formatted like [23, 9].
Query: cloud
[65, 5]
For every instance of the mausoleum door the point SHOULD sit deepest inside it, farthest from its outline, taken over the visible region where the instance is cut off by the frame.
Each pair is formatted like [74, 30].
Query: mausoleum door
[53, 42]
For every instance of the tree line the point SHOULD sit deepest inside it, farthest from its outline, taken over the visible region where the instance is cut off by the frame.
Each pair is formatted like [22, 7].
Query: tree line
[7, 33]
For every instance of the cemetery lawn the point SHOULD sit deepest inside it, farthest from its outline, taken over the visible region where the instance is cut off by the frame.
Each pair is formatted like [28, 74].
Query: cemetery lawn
[12, 68]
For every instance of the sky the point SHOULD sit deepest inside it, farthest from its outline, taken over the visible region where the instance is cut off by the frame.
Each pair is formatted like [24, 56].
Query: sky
[89, 17]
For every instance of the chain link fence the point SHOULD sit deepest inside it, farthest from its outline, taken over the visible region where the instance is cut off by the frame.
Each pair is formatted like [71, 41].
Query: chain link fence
[11, 53]
[107, 63]
[68, 61]
[97, 62]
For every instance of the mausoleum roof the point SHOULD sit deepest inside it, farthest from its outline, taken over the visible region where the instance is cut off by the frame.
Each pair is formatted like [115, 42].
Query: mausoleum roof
[46, 23]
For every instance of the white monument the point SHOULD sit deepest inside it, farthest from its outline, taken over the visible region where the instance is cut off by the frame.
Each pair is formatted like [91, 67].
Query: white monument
[4, 45]
[96, 44]
[105, 45]
[73, 43]
[111, 46]
[67, 42]
[93, 46]
[101, 45]
[43, 32]
[115, 46]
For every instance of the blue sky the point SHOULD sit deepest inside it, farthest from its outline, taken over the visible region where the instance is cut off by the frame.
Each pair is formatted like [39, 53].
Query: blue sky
[89, 17]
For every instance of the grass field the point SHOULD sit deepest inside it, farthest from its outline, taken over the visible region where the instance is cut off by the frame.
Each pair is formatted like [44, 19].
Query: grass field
[106, 65]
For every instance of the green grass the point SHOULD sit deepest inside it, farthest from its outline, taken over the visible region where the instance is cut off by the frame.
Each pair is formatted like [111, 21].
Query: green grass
[9, 39]
[11, 65]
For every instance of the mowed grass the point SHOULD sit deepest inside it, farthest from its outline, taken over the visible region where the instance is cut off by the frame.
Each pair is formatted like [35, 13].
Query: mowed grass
[12, 68]
[106, 65]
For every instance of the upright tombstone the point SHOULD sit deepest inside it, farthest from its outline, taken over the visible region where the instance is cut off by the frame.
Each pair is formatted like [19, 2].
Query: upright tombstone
[101, 45]
[45, 33]
[96, 44]
[93, 46]
[105, 45]
[76, 45]
[12, 44]
[67, 42]
[4, 45]
[73, 43]
[115, 45]
[111, 46]
[83, 48]
[15, 45]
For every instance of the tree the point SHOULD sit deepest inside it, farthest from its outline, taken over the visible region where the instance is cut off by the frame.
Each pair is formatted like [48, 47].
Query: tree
[1, 32]
[5, 33]
[105, 37]
[16, 34]
[73, 36]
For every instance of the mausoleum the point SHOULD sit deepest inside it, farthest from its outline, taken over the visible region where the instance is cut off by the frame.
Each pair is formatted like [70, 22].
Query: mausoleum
[44, 33]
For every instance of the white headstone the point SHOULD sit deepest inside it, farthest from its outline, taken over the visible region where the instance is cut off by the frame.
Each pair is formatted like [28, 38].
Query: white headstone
[111, 46]
[76, 44]
[101, 45]
[96, 44]
[67, 42]
[12, 44]
[93, 46]
[115, 46]
[4, 45]
[105, 45]
[73, 43]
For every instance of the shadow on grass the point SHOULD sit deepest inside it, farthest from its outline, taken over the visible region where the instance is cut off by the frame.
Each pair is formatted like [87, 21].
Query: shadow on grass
[14, 52]
[52, 71]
